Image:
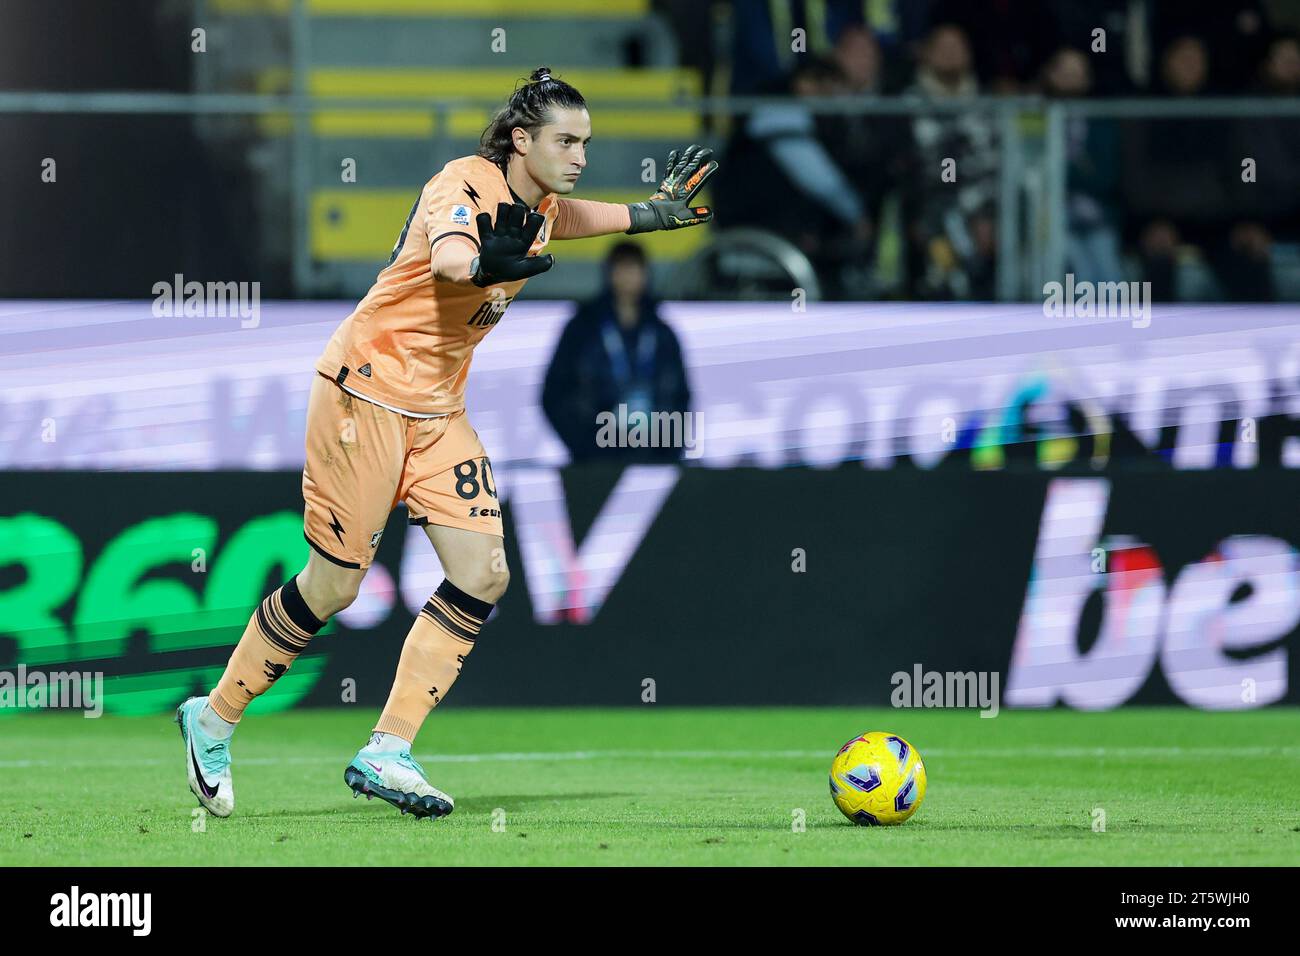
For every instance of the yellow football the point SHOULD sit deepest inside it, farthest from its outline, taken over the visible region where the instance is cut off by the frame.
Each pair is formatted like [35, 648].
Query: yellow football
[877, 780]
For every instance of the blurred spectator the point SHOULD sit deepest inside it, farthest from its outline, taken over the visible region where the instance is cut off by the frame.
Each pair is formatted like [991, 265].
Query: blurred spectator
[1010, 39]
[1272, 143]
[857, 54]
[762, 37]
[615, 351]
[951, 232]
[1184, 68]
[1233, 35]
[1123, 62]
[897, 25]
[870, 149]
[1092, 175]
[1279, 75]
[1178, 184]
[783, 177]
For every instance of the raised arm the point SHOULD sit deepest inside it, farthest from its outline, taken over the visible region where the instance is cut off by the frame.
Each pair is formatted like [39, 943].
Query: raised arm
[668, 208]
[580, 218]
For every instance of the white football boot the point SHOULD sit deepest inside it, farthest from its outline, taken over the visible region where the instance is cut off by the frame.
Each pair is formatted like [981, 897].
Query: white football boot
[398, 779]
[207, 761]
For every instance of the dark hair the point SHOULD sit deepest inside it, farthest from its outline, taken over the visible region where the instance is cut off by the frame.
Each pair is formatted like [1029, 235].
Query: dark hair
[816, 68]
[529, 107]
[625, 249]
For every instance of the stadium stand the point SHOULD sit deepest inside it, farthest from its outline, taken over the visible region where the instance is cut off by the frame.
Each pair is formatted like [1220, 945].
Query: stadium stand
[436, 50]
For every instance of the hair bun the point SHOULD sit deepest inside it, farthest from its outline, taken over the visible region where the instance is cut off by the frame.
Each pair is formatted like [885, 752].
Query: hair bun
[542, 75]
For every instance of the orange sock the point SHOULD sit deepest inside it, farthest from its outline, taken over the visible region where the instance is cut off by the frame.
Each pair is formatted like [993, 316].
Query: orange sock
[440, 639]
[276, 634]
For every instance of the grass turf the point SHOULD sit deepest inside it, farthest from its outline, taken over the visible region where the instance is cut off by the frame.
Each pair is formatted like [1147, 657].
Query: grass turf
[666, 786]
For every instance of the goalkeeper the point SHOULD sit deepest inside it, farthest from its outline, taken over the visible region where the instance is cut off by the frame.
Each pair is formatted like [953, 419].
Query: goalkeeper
[386, 422]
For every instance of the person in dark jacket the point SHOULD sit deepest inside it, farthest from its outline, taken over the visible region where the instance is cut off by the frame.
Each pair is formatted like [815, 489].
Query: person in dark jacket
[615, 351]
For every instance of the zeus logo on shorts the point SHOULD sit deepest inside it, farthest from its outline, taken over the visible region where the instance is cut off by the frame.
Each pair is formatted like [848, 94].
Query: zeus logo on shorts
[374, 538]
[477, 512]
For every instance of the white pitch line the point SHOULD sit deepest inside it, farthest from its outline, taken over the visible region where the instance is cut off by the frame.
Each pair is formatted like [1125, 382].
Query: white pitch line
[572, 755]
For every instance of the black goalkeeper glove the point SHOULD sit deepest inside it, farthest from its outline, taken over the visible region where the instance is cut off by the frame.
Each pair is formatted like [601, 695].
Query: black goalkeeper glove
[503, 249]
[669, 207]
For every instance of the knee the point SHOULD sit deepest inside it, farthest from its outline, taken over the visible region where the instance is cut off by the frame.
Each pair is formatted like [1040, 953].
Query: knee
[339, 598]
[326, 595]
[328, 600]
[488, 584]
[500, 581]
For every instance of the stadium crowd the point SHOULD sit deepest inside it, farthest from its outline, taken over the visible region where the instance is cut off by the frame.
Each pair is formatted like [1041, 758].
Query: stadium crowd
[1142, 195]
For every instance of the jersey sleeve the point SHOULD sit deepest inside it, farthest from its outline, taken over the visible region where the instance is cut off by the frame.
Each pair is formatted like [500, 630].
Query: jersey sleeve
[580, 218]
[450, 211]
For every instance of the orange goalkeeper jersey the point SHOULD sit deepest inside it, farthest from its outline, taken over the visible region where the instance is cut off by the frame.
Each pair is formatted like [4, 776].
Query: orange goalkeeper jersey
[409, 342]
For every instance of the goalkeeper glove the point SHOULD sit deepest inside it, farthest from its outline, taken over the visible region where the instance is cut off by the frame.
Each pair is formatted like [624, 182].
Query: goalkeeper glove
[503, 249]
[669, 207]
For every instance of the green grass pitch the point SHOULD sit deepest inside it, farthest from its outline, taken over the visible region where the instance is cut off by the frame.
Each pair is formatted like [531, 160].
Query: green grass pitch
[666, 786]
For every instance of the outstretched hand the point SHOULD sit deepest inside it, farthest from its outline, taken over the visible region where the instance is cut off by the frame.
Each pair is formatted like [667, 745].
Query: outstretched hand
[503, 247]
[669, 207]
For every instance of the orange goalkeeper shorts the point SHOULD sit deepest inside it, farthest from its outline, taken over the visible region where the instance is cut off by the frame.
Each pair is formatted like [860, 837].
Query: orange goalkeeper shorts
[362, 459]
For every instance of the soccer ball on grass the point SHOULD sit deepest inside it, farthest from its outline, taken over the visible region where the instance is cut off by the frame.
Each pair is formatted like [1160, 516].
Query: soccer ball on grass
[877, 780]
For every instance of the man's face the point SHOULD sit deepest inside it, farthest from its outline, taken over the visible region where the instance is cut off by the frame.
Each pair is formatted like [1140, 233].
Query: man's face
[1185, 66]
[1283, 65]
[628, 278]
[1069, 74]
[859, 58]
[557, 155]
[948, 54]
